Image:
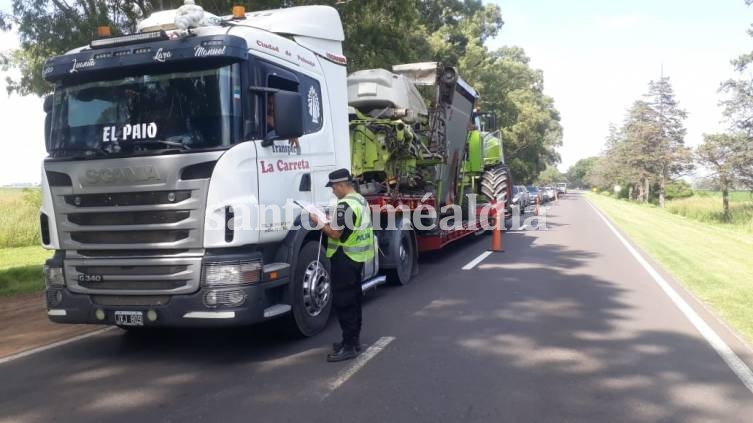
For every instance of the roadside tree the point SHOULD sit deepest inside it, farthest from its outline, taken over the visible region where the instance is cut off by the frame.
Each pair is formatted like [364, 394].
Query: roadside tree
[725, 156]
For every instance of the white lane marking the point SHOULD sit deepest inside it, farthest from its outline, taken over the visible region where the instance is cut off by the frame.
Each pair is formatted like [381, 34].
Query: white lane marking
[359, 362]
[477, 260]
[32, 351]
[522, 228]
[725, 352]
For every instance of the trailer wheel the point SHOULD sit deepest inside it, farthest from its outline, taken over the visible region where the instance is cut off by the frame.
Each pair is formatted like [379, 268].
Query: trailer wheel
[311, 291]
[401, 275]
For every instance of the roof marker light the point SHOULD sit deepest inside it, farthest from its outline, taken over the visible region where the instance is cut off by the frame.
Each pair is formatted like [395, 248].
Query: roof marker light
[239, 12]
[103, 31]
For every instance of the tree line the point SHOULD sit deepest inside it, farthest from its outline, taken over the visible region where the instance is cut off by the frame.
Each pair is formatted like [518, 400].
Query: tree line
[647, 152]
[379, 34]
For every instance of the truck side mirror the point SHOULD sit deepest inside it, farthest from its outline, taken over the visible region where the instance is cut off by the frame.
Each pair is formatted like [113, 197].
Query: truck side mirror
[288, 117]
[47, 107]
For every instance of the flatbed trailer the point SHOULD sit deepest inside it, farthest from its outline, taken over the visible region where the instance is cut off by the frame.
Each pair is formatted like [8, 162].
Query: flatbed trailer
[438, 238]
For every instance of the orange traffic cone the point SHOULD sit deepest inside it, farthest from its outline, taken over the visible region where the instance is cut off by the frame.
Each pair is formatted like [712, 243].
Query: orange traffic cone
[536, 209]
[497, 233]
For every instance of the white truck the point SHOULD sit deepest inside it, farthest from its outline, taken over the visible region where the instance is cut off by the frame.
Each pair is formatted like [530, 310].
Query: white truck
[168, 147]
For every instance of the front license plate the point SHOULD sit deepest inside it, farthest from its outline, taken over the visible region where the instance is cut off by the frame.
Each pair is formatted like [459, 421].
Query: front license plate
[129, 318]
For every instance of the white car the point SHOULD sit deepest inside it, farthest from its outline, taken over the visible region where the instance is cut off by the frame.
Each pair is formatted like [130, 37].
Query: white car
[549, 193]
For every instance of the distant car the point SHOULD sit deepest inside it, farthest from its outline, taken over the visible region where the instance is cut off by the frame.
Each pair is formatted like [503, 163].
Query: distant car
[562, 188]
[548, 193]
[534, 193]
[520, 196]
[525, 195]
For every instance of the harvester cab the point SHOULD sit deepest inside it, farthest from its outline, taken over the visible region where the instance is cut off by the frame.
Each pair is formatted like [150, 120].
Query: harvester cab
[484, 168]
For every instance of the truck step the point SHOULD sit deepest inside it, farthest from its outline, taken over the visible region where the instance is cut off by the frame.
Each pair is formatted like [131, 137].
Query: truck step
[373, 282]
[276, 310]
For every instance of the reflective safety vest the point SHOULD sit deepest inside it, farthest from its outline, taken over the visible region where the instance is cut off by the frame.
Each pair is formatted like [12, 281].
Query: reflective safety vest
[359, 246]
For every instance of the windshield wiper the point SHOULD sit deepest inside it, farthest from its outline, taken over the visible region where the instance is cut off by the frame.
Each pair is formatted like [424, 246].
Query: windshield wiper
[99, 151]
[166, 143]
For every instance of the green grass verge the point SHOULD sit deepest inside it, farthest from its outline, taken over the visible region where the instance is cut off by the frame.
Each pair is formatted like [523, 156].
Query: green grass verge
[19, 217]
[707, 207]
[21, 270]
[714, 261]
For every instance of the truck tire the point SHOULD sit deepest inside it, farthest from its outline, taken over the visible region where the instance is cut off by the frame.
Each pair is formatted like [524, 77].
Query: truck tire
[311, 305]
[494, 185]
[403, 271]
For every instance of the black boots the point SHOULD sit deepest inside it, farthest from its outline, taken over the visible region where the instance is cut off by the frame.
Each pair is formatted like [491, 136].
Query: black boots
[342, 352]
[337, 345]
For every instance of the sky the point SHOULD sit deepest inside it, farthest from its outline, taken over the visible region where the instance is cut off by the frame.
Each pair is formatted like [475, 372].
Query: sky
[597, 57]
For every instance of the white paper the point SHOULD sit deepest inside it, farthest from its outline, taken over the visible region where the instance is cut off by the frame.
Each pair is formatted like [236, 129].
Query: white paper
[313, 209]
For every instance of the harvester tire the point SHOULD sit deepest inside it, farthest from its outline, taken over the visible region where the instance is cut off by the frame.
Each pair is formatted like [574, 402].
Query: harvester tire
[494, 185]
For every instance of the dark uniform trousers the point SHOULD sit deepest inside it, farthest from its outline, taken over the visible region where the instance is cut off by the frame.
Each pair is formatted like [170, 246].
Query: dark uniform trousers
[347, 295]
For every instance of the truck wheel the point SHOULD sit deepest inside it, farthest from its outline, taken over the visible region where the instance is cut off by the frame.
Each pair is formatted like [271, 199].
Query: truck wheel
[401, 275]
[311, 291]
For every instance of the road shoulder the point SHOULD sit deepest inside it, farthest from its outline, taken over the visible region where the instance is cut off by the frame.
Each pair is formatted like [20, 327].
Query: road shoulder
[25, 325]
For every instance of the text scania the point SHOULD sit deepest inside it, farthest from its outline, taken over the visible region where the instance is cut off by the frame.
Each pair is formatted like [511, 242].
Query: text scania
[123, 175]
[283, 166]
[137, 131]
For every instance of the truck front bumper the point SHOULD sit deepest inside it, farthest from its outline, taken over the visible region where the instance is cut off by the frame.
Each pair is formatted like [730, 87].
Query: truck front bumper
[261, 303]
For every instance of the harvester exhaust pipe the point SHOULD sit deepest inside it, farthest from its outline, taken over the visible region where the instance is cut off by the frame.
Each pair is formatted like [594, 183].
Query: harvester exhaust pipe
[400, 131]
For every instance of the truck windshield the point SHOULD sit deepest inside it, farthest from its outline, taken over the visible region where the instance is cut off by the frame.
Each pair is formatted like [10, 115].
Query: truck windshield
[176, 111]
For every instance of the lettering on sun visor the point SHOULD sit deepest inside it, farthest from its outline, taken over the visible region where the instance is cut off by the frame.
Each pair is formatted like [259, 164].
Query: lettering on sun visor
[162, 55]
[137, 131]
[82, 65]
[201, 51]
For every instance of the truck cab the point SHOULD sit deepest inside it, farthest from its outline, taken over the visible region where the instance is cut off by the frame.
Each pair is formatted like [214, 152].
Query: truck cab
[168, 151]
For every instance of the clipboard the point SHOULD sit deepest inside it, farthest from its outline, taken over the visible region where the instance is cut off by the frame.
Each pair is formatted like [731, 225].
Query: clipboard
[312, 208]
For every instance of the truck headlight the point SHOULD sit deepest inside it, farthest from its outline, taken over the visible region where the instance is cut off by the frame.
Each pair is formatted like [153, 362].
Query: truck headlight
[228, 298]
[54, 276]
[231, 273]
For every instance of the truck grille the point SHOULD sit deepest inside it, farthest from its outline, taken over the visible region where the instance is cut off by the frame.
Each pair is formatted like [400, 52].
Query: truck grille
[129, 237]
[131, 253]
[130, 276]
[135, 285]
[132, 237]
[164, 220]
[128, 198]
[129, 218]
[130, 300]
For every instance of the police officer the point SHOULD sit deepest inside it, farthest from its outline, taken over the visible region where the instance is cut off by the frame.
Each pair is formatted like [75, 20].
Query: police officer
[350, 244]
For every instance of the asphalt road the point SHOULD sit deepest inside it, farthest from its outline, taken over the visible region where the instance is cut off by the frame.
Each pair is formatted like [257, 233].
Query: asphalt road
[564, 325]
